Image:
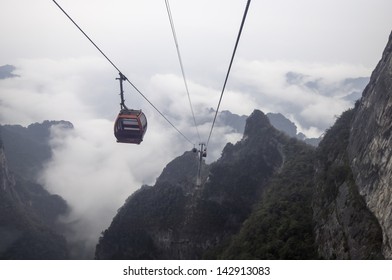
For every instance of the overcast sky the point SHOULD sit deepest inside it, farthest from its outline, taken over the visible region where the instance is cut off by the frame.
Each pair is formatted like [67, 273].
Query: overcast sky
[62, 76]
[329, 40]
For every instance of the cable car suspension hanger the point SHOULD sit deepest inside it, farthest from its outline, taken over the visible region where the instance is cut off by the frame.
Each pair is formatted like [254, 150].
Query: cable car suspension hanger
[130, 125]
[121, 79]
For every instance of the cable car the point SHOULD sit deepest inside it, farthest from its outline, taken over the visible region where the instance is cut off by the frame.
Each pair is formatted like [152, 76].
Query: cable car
[130, 126]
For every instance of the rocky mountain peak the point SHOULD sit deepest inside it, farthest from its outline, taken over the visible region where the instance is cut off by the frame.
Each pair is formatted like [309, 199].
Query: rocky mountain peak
[256, 123]
[6, 71]
[182, 170]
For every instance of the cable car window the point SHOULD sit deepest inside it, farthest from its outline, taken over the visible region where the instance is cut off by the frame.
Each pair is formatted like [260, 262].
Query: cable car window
[143, 120]
[130, 124]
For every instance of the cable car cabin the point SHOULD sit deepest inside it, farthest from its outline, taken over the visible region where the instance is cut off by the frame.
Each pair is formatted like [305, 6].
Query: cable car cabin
[130, 126]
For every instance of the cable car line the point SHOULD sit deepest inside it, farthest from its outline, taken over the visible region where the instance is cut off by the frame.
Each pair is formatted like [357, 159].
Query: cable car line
[181, 64]
[91, 41]
[121, 75]
[228, 71]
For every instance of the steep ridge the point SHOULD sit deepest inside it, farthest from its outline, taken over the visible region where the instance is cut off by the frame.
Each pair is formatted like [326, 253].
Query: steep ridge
[370, 146]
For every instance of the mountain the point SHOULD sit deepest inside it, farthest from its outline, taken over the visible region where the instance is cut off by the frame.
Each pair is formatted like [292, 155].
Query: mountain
[271, 196]
[27, 148]
[283, 124]
[236, 122]
[175, 219]
[277, 120]
[29, 227]
[6, 71]
[354, 87]
[281, 224]
[349, 89]
[27, 217]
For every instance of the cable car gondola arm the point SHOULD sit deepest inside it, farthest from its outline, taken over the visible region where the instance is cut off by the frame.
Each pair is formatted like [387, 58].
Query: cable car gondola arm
[122, 78]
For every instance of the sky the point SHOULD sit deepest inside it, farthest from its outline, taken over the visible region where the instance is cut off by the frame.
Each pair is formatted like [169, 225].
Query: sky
[318, 44]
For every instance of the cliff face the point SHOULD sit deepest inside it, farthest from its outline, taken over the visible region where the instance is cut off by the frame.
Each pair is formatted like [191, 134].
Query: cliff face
[26, 227]
[353, 200]
[29, 214]
[370, 146]
[344, 226]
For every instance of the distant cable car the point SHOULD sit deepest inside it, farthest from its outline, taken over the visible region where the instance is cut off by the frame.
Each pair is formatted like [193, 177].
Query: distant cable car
[130, 125]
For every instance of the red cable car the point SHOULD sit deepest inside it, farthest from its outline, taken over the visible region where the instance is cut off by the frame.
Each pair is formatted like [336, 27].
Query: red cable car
[130, 126]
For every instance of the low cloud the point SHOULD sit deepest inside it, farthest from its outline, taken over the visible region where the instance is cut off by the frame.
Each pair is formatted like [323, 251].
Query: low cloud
[95, 175]
[310, 94]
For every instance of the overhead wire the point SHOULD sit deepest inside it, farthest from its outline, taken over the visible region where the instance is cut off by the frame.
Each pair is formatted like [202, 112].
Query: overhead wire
[229, 69]
[181, 64]
[114, 65]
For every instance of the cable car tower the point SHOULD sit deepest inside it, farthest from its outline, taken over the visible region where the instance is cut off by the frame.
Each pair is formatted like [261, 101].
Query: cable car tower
[202, 154]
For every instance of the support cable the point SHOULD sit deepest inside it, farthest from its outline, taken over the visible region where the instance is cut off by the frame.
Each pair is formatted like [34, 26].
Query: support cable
[228, 72]
[111, 62]
[181, 64]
